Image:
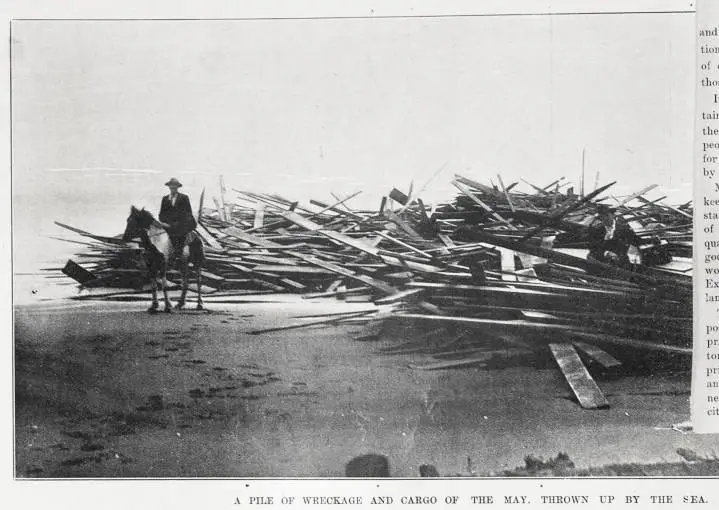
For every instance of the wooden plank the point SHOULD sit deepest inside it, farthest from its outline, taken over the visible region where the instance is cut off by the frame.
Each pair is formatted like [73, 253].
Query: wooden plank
[334, 207]
[639, 193]
[249, 238]
[506, 193]
[198, 215]
[536, 188]
[104, 239]
[602, 357]
[334, 285]
[292, 284]
[402, 224]
[584, 387]
[477, 185]
[259, 219]
[507, 263]
[220, 209]
[268, 285]
[564, 211]
[404, 245]
[453, 354]
[336, 293]
[398, 196]
[291, 269]
[477, 359]
[484, 206]
[447, 241]
[403, 261]
[207, 238]
[212, 276]
[303, 222]
[382, 205]
[398, 296]
[78, 273]
[639, 274]
[636, 344]
[507, 324]
[367, 280]
[272, 259]
[310, 323]
[461, 363]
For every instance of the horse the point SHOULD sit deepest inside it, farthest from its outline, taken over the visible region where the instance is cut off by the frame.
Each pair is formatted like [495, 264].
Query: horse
[159, 251]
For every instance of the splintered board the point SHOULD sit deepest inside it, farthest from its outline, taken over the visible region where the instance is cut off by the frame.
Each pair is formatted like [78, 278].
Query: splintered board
[577, 375]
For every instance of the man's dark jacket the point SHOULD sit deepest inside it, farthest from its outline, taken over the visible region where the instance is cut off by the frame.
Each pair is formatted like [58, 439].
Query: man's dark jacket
[179, 216]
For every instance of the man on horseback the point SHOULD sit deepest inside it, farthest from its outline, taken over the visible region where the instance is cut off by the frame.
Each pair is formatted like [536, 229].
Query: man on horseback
[170, 238]
[176, 215]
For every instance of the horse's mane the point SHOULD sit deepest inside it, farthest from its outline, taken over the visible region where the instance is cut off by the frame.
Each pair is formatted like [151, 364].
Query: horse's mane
[143, 216]
[147, 215]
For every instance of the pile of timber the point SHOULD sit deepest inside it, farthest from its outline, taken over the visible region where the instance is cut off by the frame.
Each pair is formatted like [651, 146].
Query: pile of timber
[494, 259]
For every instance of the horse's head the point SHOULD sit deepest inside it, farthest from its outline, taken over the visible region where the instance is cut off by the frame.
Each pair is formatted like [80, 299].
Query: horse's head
[138, 221]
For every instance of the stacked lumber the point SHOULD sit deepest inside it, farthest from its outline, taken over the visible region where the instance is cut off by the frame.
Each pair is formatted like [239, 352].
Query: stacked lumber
[494, 259]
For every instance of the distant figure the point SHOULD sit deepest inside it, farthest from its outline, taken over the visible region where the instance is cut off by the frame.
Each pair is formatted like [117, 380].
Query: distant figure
[610, 238]
[368, 466]
[476, 269]
[176, 214]
[428, 471]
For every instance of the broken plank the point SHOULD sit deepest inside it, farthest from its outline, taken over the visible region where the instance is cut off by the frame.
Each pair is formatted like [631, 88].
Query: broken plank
[602, 357]
[460, 363]
[584, 387]
[104, 239]
[398, 196]
[479, 358]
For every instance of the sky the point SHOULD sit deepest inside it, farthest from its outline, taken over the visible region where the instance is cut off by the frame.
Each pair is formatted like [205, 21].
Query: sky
[105, 112]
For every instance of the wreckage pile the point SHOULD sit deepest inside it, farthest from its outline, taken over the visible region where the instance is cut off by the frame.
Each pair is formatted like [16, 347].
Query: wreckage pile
[509, 263]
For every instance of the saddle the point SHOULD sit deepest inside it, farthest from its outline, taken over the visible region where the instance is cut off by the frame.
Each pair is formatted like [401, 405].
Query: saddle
[192, 240]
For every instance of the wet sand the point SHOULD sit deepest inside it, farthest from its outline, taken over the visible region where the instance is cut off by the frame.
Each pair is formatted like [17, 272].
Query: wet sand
[106, 390]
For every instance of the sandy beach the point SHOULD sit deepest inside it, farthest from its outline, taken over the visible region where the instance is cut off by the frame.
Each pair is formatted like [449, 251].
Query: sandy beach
[106, 390]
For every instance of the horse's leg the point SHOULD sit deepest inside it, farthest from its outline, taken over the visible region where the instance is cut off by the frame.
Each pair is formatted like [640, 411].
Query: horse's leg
[168, 305]
[185, 282]
[198, 268]
[155, 304]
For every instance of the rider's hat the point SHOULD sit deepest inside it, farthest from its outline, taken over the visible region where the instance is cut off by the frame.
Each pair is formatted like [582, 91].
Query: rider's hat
[173, 182]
